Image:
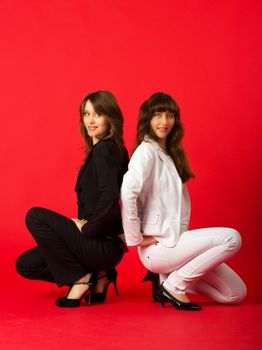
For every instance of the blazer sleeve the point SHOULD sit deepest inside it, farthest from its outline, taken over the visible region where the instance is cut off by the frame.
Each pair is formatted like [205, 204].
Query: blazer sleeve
[106, 170]
[139, 169]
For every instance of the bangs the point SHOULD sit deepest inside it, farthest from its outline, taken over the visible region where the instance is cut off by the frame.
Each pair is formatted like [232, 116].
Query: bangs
[98, 104]
[163, 103]
[102, 101]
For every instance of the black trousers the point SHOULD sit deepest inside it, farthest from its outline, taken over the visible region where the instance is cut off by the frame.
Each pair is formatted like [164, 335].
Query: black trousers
[62, 254]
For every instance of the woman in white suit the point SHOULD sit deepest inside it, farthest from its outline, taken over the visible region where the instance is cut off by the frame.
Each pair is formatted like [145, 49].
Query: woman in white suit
[156, 213]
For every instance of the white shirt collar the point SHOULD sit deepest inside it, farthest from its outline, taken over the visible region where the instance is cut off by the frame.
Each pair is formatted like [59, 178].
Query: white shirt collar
[153, 142]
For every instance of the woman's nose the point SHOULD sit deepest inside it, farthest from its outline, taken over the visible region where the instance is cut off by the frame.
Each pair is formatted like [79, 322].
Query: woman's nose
[163, 119]
[92, 118]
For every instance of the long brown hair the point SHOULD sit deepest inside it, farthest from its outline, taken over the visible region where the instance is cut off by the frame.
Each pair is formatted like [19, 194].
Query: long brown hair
[104, 103]
[161, 102]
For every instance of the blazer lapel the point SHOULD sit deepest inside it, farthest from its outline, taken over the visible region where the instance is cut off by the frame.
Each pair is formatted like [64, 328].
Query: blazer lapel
[164, 158]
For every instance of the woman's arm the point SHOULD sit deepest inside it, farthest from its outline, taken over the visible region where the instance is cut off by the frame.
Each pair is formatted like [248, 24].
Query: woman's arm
[139, 169]
[148, 240]
[107, 171]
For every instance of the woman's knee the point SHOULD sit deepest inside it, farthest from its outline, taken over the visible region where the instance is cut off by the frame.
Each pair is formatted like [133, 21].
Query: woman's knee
[242, 293]
[29, 262]
[22, 266]
[238, 294]
[32, 216]
[234, 240]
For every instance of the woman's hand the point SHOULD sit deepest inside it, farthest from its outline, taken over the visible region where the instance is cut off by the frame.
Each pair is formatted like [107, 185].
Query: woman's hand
[79, 223]
[148, 240]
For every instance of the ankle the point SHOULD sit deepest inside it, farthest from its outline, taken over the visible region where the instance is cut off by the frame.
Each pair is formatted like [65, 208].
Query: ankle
[102, 280]
[102, 274]
[177, 295]
[85, 278]
[181, 297]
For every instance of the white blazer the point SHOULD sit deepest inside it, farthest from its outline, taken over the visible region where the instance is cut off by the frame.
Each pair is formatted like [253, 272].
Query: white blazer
[154, 200]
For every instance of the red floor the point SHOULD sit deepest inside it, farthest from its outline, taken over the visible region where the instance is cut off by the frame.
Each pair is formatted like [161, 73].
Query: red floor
[30, 320]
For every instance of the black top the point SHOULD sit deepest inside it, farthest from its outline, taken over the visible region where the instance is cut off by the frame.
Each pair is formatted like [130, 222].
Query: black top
[98, 187]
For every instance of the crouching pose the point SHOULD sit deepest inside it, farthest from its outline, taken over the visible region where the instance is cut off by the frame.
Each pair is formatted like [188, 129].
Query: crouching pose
[156, 213]
[82, 252]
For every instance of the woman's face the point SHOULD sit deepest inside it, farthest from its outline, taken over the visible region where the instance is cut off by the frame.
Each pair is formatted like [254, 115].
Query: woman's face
[162, 123]
[96, 125]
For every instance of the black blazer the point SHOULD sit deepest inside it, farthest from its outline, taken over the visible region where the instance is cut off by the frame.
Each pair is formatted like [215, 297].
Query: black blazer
[98, 187]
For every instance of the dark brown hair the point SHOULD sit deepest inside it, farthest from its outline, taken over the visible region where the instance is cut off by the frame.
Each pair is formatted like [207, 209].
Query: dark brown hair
[104, 103]
[161, 102]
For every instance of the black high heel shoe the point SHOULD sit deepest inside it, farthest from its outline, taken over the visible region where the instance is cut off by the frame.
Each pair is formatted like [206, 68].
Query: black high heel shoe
[65, 302]
[101, 296]
[166, 297]
[154, 279]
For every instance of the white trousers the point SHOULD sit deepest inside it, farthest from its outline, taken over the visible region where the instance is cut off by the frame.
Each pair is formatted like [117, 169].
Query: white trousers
[196, 264]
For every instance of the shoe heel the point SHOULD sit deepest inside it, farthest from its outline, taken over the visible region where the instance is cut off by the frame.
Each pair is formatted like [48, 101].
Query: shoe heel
[112, 277]
[154, 279]
[147, 277]
[88, 298]
[162, 300]
[115, 286]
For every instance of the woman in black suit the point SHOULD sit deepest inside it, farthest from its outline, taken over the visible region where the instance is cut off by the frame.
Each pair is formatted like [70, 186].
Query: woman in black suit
[82, 253]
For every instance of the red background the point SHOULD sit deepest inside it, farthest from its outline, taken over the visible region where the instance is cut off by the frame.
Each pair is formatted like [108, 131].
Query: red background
[207, 54]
